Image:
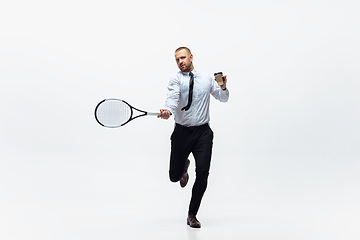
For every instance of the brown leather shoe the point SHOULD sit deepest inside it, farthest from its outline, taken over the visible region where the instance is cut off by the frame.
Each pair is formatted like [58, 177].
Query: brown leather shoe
[193, 222]
[185, 178]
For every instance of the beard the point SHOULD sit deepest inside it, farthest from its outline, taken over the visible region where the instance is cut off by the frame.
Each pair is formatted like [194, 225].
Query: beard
[186, 68]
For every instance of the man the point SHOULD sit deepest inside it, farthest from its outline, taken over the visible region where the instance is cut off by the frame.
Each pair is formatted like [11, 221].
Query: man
[188, 99]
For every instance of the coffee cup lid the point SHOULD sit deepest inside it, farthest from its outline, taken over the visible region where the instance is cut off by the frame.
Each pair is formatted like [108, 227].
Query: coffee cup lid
[217, 73]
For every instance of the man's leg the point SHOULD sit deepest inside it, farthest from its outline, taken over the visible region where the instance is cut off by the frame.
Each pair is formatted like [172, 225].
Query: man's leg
[180, 150]
[202, 153]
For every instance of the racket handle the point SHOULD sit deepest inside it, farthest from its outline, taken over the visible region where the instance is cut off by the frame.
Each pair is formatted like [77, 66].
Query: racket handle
[152, 114]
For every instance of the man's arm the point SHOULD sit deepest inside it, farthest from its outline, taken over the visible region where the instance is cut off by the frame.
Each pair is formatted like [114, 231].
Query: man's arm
[221, 93]
[172, 99]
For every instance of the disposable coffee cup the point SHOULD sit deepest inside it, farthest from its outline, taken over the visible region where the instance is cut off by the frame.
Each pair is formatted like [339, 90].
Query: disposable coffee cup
[218, 78]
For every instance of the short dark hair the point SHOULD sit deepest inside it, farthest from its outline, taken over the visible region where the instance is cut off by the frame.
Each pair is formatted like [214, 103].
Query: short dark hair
[184, 48]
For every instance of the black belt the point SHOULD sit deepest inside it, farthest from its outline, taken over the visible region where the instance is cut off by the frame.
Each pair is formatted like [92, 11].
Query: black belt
[200, 127]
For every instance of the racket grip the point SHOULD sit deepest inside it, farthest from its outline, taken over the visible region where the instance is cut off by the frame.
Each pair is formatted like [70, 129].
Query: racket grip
[152, 114]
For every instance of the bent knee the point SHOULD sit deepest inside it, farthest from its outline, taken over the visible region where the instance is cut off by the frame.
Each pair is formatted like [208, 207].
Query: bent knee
[174, 177]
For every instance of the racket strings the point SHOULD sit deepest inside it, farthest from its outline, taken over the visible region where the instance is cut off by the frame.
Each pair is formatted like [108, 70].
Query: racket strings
[113, 113]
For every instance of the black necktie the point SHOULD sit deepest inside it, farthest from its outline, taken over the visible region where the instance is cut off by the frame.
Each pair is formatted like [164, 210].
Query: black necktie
[190, 92]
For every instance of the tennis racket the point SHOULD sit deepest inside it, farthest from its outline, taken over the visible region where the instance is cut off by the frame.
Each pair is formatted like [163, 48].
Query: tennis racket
[113, 113]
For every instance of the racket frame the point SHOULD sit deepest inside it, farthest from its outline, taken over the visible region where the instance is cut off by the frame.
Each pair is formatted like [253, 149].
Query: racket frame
[143, 113]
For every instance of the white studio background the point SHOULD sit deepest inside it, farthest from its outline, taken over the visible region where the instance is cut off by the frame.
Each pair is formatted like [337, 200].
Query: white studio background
[286, 148]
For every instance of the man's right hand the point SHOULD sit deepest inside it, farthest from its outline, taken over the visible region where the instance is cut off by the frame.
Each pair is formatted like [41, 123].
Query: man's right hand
[164, 114]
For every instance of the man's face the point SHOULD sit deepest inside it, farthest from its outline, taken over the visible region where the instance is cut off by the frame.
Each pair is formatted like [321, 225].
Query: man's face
[184, 60]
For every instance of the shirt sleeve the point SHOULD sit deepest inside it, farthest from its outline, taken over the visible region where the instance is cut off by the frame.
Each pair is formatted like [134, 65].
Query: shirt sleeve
[173, 94]
[218, 93]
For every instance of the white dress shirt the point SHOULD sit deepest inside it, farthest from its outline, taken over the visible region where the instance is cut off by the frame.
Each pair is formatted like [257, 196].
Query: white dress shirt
[178, 94]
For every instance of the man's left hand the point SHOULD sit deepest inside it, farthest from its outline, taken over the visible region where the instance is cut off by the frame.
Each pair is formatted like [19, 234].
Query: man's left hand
[223, 87]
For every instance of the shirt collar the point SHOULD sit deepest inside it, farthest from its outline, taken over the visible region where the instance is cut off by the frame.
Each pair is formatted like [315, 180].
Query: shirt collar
[187, 73]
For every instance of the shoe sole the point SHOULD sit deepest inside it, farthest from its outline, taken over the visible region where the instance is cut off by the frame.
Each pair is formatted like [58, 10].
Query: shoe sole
[185, 178]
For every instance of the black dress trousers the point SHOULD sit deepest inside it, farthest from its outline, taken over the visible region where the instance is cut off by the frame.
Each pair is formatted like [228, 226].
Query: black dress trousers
[198, 141]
